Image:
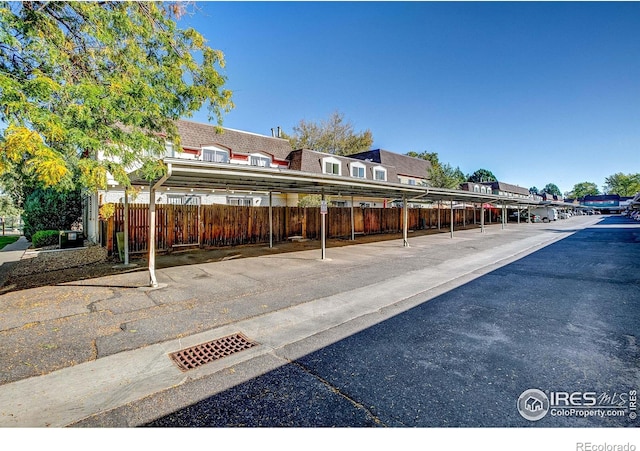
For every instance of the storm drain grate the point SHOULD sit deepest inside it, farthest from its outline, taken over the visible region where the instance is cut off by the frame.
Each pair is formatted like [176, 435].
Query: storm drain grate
[204, 353]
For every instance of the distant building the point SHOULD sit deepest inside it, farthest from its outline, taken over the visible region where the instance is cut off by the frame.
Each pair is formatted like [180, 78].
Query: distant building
[498, 189]
[605, 203]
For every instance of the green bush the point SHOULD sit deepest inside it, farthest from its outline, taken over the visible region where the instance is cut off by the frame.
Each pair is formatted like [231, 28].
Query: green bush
[45, 238]
[48, 209]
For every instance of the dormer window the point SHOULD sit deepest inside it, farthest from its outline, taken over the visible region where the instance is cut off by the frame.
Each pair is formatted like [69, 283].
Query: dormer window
[260, 161]
[215, 155]
[331, 166]
[358, 170]
[380, 174]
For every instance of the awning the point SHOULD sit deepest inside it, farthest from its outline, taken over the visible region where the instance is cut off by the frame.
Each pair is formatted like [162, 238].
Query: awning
[202, 175]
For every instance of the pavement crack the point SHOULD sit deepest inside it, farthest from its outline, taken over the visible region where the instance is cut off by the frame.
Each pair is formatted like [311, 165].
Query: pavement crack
[339, 392]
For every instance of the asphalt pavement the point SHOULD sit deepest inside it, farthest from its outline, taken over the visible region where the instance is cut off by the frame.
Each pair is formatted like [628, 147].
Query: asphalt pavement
[563, 319]
[96, 352]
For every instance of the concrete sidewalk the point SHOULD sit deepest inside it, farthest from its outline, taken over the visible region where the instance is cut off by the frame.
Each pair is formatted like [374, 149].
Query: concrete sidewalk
[9, 255]
[77, 350]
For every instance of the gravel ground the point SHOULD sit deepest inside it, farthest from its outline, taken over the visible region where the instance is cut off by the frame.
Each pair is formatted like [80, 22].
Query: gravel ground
[49, 266]
[40, 261]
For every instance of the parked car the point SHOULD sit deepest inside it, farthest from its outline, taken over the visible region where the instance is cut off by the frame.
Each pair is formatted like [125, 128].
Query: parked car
[547, 214]
[524, 217]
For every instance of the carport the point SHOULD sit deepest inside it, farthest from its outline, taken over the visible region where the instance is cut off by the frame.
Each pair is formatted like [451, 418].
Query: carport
[200, 175]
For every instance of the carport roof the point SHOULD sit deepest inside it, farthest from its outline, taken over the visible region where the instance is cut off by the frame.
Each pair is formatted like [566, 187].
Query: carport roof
[201, 175]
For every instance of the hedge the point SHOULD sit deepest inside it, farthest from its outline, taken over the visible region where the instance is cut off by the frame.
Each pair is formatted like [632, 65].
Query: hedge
[45, 238]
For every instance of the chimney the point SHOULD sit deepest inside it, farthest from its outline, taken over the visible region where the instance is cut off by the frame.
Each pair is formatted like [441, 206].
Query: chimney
[279, 132]
[272, 133]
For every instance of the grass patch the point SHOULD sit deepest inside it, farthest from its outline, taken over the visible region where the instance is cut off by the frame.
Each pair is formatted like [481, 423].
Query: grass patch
[4, 240]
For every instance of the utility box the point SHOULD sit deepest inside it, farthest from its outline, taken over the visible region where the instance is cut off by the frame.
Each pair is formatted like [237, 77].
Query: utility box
[70, 239]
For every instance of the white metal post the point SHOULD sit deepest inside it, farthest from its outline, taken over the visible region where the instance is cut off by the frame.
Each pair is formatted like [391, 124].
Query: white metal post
[126, 227]
[353, 227]
[270, 219]
[439, 205]
[153, 282]
[482, 218]
[451, 221]
[322, 229]
[405, 220]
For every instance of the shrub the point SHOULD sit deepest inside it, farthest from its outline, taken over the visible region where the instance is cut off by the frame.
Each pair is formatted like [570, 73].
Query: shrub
[48, 209]
[45, 238]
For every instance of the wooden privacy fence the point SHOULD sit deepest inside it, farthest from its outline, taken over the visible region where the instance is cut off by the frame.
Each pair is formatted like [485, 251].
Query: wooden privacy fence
[228, 225]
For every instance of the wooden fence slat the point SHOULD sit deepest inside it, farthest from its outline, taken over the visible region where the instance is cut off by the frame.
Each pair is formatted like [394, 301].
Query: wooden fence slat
[227, 225]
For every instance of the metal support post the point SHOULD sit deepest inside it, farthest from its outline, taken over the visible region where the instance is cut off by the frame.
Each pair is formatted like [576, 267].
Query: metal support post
[126, 227]
[322, 228]
[270, 219]
[153, 282]
[482, 219]
[405, 225]
[353, 226]
[451, 219]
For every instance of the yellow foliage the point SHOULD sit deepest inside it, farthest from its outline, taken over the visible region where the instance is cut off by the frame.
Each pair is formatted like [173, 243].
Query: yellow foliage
[106, 211]
[48, 165]
[92, 175]
[133, 192]
[19, 140]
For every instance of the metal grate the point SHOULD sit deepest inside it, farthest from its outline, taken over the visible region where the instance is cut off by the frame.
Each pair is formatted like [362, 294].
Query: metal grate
[204, 353]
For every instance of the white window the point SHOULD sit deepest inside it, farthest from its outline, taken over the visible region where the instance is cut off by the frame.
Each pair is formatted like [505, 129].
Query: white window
[259, 160]
[215, 155]
[412, 182]
[380, 173]
[476, 189]
[241, 201]
[183, 199]
[357, 170]
[331, 166]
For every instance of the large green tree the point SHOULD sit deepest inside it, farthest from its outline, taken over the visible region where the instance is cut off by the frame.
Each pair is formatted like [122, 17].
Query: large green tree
[432, 157]
[482, 175]
[551, 188]
[82, 78]
[583, 189]
[625, 185]
[334, 135]
[446, 176]
[440, 175]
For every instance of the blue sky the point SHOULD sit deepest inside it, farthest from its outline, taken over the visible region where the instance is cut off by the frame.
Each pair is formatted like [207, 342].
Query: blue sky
[536, 92]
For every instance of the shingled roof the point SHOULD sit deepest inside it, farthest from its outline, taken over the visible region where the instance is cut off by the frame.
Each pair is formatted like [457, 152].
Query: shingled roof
[307, 160]
[404, 164]
[195, 135]
[509, 188]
